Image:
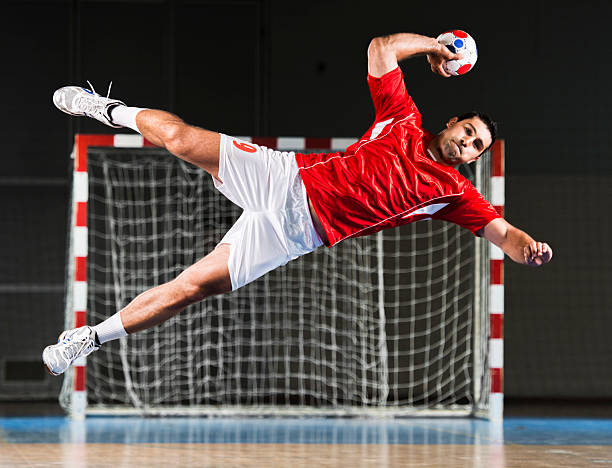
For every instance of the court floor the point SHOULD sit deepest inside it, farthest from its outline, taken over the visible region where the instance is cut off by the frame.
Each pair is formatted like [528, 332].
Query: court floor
[308, 442]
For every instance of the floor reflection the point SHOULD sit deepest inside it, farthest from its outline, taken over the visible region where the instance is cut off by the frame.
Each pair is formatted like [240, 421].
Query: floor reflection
[133, 441]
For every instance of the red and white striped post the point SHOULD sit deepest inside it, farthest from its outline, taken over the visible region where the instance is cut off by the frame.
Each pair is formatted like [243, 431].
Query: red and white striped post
[496, 291]
[79, 251]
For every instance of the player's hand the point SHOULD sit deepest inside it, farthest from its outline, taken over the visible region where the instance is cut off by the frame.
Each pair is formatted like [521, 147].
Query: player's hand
[537, 253]
[437, 58]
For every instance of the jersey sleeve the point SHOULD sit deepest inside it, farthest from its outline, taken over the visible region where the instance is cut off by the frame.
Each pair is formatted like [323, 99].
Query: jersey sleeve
[470, 211]
[389, 95]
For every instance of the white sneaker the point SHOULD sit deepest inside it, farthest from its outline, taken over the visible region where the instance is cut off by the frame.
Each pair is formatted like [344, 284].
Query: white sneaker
[78, 101]
[71, 345]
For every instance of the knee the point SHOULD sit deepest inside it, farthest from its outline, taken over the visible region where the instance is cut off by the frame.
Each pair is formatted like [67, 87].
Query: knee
[195, 286]
[174, 135]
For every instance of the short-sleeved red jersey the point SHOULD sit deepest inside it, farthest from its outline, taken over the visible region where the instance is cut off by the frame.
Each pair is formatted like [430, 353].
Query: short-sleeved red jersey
[387, 178]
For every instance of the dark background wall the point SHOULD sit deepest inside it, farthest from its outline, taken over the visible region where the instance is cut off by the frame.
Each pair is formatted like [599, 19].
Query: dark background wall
[274, 67]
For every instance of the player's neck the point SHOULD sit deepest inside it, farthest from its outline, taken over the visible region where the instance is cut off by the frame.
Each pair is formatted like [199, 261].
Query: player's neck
[433, 152]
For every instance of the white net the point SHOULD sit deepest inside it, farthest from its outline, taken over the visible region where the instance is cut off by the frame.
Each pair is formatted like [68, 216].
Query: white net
[393, 322]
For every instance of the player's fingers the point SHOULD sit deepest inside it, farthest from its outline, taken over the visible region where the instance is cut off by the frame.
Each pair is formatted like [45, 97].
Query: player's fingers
[450, 55]
[533, 247]
[442, 71]
[444, 51]
[537, 253]
[438, 70]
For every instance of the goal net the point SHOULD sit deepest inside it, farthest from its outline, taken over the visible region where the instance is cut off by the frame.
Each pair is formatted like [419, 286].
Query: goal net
[395, 323]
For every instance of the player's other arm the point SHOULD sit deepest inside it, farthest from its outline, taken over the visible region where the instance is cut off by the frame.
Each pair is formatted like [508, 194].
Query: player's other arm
[518, 245]
[385, 52]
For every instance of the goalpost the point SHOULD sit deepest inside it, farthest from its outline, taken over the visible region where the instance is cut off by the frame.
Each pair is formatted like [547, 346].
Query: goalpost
[405, 322]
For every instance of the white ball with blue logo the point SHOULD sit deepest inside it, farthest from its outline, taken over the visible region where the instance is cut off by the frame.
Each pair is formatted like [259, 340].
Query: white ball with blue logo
[459, 42]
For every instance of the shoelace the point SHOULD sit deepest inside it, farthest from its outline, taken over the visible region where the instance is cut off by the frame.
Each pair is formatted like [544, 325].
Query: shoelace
[77, 348]
[94, 91]
[70, 352]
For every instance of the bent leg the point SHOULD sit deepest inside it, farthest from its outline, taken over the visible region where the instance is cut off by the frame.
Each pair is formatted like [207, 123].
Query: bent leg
[193, 144]
[207, 277]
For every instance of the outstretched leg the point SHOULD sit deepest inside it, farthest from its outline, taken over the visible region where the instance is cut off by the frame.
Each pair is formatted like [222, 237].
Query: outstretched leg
[193, 144]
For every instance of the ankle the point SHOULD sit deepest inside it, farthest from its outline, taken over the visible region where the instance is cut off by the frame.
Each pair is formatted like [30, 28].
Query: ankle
[124, 116]
[110, 329]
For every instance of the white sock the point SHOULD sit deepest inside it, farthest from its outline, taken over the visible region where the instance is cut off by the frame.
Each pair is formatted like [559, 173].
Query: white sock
[110, 329]
[125, 116]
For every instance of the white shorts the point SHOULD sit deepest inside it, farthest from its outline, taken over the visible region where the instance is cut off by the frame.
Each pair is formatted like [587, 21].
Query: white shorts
[276, 225]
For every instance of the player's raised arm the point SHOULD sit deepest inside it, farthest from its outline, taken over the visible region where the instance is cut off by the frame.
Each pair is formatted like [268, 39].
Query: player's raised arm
[385, 52]
[517, 244]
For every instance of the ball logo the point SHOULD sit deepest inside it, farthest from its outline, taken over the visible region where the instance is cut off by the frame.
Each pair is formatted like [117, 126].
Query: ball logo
[244, 146]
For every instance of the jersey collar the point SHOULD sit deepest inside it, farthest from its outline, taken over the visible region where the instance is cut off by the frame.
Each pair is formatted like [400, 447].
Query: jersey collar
[427, 137]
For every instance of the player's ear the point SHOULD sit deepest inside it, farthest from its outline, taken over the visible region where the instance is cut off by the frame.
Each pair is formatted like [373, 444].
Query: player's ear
[452, 122]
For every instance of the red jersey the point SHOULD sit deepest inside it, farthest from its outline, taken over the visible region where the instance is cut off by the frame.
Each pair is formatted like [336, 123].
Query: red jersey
[387, 178]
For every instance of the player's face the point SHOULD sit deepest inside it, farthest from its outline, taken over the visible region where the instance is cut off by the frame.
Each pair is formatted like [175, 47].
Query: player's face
[462, 141]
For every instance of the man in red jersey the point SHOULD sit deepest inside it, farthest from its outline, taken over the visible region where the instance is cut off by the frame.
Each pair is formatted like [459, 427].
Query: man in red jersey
[293, 203]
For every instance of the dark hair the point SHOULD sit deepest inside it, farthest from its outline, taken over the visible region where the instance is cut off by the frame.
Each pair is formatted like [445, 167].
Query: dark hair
[488, 121]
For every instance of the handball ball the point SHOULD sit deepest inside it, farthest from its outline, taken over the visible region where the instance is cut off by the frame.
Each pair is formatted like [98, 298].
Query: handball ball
[459, 42]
